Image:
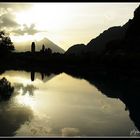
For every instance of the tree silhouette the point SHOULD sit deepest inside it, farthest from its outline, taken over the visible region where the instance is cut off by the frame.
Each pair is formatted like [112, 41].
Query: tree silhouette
[43, 49]
[48, 51]
[33, 47]
[6, 45]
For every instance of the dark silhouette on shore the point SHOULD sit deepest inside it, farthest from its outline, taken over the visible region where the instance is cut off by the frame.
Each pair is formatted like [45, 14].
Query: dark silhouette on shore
[33, 47]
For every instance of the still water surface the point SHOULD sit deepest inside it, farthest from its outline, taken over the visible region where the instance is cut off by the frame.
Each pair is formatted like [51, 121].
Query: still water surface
[60, 105]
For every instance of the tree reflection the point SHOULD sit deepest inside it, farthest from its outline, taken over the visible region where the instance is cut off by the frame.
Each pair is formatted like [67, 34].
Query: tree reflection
[32, 75]
[12, 115]
[28, 89]
[6, 89]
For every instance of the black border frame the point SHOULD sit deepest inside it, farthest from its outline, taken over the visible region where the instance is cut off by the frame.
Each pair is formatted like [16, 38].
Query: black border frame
[69, 1]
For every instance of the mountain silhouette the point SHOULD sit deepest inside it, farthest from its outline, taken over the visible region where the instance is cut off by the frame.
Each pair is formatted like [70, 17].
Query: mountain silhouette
[132, 37]
[127, 50]
[26, 46]
[98, 44]
[77, 49]
[134, 29]
[128, 34]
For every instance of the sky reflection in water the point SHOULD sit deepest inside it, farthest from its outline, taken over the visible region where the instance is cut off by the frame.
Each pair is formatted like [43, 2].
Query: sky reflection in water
[60, 105]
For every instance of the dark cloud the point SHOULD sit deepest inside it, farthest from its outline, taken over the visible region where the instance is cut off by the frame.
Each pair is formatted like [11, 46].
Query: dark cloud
[7, 17]
[8, 21]
[11, 118]
[26, 30]
[13, 115]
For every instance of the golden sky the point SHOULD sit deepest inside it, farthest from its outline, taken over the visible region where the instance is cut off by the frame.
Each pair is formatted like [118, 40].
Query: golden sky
[65, 24]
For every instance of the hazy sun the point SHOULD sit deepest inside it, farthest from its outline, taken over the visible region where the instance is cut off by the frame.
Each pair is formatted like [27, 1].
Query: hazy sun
[46, 16]
[48, 19]
[67, 24]
[25, 38]
[26, 100]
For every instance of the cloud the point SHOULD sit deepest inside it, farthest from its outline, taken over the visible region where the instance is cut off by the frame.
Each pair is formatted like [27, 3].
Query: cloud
[12, 116]
[7, 18]
[70, 131]
[12, 119]
[8, 21]
[39, 126]
[26, 30]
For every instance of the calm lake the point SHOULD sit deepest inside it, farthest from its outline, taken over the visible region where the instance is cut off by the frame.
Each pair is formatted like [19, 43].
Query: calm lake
[60, 105]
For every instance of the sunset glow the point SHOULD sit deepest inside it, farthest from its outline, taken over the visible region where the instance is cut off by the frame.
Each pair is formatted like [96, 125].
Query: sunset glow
[65, 24]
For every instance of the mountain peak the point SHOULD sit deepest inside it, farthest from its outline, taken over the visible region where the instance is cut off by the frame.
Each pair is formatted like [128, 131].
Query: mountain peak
[49, 44]
[45, 39]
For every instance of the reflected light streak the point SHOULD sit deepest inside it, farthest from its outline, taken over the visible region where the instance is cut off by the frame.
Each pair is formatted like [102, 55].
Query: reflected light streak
[26, 100]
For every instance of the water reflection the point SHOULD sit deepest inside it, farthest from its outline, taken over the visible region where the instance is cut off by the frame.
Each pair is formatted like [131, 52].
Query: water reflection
[28, 89]
[61, 105]
[43, 76]
[13, 115]
[17, 110]
[123, 85]
[32, 75]
[6, 89]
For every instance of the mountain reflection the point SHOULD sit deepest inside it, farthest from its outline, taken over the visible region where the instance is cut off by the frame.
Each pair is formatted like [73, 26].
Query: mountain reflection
[115, 84]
